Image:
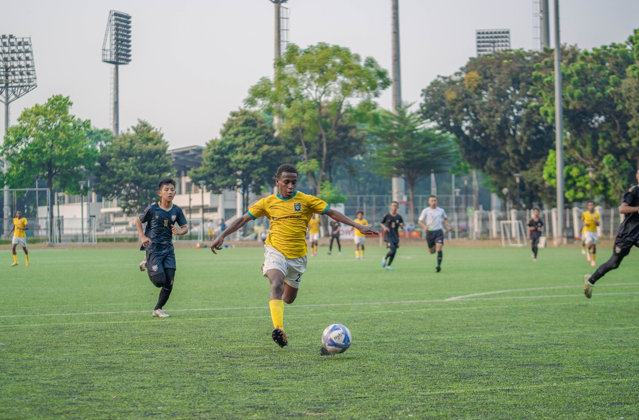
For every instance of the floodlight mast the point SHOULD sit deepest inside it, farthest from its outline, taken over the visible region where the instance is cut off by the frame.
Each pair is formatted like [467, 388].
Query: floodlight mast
[397, 182]
[17, 78]
[116, 50]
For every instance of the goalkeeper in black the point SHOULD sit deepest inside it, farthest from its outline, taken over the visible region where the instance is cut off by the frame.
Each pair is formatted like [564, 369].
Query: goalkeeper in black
[627, 237]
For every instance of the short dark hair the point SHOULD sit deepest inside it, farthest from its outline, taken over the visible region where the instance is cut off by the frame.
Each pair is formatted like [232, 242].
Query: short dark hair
[432, 196]
[394, 202]
[359, 211]
[536, 208]
[167, 181]
[288, 168]
[590, 201]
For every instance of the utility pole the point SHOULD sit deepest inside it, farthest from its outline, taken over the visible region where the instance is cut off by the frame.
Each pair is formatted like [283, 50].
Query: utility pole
[559, 131]
[545, 25]
[398, 183]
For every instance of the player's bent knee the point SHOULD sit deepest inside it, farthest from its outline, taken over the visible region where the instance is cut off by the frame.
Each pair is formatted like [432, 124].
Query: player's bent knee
[159, 280]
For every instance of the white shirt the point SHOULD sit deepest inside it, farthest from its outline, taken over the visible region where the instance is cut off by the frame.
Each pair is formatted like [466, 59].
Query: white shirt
[433, 218]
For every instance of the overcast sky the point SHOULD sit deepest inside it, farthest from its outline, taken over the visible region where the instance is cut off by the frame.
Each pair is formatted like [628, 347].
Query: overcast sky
[194, 60]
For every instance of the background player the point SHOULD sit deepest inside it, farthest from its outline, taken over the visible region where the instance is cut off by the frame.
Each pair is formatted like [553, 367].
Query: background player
[360, 238]
[285, 250]
[591, 220]
[314, 234]
[627, 237]
[19, 237]
[158, 241]
[391, 224]
[534, 232]
[431, 220]
[335, 226]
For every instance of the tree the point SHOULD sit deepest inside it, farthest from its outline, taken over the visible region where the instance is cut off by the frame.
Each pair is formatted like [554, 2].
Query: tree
[405, 147]
[596, 119]
[50, 144]
[490, 109]
[331, 194]
[130, 167]
[245, 157]
[313, 91]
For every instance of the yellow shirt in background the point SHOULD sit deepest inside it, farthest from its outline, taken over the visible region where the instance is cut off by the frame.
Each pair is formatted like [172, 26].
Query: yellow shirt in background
[313, 224]
[361, 222]
[19, 223]
[289, 221]
[589, 219]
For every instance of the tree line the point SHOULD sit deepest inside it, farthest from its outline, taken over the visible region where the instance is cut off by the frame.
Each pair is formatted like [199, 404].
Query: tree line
[320, 111]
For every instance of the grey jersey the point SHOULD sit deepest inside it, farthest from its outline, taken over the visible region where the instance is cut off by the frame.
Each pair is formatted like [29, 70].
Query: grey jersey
[433, 218]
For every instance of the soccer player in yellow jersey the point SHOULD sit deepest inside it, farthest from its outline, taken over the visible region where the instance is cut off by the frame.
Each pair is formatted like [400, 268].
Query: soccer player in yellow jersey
[19, 237]
[285, 249]
[360, 238]
[591, 221]
[314, 234]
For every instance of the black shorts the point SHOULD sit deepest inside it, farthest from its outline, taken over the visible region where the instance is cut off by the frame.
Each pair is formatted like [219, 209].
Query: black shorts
[156, 262]
[434, 237]
[623, 245]
[392, 244]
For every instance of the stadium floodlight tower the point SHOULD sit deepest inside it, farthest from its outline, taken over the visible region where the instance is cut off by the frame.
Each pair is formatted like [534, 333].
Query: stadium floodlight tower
[116, 50]
[490, 41]
[17, 78]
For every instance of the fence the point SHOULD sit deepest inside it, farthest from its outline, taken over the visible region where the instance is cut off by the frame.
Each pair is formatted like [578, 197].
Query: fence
[473, 225]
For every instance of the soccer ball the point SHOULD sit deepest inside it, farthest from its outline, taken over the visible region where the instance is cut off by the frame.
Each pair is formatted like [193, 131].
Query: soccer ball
[336, 338]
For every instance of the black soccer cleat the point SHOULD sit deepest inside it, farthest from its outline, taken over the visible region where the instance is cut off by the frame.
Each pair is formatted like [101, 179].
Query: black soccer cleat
[438, 269]
[279, 336]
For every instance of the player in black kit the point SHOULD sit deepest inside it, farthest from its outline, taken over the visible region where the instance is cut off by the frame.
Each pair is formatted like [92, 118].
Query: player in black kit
[161, 219]
[391, 224]
[534, 232]
[627, 237]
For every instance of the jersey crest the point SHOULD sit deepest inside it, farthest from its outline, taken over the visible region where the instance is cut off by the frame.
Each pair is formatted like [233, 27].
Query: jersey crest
[297, 207]
[173, 217]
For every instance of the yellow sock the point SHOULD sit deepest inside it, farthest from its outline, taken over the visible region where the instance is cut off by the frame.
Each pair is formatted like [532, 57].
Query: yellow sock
[356, 253]
[27, 257]
[15, 258]
[277, 313]
[594, 257]
[362, 251]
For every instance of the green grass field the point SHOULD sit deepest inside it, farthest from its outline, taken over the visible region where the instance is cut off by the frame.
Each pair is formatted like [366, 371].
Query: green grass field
[79, 342]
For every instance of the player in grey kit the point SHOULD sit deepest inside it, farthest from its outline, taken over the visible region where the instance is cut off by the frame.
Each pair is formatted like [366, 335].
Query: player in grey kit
[432, 220]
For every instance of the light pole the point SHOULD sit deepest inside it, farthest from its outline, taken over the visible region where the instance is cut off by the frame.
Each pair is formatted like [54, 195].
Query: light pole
[202, 193]
[82, 208]
[17, 78]
[517, 179]
[116, 50]
[590, 176]
[559, 131]
[397, 182]
[457, 191]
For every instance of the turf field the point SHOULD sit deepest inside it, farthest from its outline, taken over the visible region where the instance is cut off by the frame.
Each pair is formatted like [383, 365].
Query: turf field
[492, 336]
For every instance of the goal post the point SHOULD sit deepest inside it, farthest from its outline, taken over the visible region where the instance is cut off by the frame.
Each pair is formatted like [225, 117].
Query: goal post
[33, 203]
[513, 233]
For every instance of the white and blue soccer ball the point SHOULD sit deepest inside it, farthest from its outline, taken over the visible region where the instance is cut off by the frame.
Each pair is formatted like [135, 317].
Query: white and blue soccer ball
[336, 338]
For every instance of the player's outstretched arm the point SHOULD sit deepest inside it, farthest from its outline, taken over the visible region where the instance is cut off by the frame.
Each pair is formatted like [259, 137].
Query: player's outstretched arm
[337, 216]
[232, 228]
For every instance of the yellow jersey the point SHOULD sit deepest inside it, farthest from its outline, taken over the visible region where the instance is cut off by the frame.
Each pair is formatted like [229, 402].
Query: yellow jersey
[361, 222]
[589, 220]
[313, 225]
[19, 223]
[289, 220]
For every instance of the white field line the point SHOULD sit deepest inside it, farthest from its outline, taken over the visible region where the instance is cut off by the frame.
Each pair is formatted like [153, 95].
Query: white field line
[534, 288]
[324, 305]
